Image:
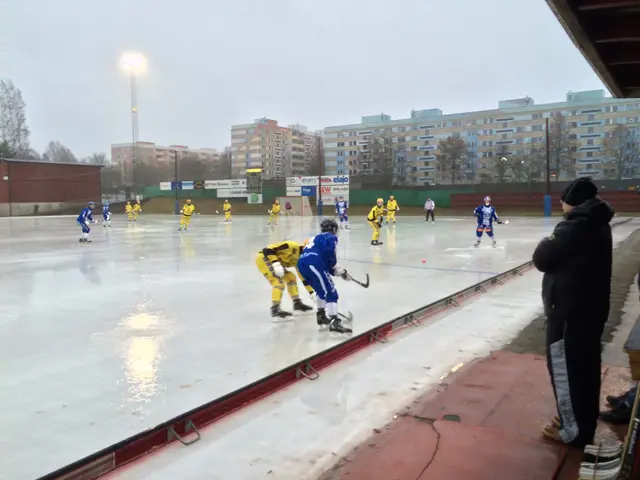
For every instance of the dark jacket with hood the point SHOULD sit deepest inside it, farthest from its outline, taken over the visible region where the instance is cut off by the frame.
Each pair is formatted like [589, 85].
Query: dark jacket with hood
[576, 261]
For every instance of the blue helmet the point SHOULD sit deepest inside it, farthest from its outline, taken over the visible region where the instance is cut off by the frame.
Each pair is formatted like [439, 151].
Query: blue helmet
[487, 200]
[91, 204]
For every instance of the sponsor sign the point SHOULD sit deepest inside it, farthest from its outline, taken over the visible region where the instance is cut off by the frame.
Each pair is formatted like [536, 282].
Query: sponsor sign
[334, 190]
[308, 191]
[235, 183]
[198, 185]
[176, 185]
[294, 191]
[231, 192]
[254, 198]
[301, 181]
[335, 180]
[329, 193]
[165, 186]
[187, 186]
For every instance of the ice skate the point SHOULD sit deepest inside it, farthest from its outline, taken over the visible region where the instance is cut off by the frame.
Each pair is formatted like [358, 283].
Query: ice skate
[376, 243]
[477, 244]
[298, 306]
[335, 325]
[493, 244]
[321, 318]
[276, 312]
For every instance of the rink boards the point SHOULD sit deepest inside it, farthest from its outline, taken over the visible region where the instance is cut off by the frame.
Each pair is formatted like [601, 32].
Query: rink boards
[185, 428]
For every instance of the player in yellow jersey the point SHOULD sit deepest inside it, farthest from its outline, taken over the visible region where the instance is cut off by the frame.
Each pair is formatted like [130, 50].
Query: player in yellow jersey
[375, 217]
[128, 209]
[187, 211]
[274, 212]
[273, 261]
[392, 208]
[137, 210]
[226, 208]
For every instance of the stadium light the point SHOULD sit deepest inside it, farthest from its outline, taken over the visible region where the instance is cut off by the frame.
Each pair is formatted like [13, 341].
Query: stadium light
[133, 63]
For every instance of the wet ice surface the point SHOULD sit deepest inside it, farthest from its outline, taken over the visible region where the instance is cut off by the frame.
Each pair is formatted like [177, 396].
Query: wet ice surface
[101, 341]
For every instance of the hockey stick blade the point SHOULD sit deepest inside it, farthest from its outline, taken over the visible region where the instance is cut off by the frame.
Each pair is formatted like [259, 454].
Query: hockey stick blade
[348, 317]
[364, 284]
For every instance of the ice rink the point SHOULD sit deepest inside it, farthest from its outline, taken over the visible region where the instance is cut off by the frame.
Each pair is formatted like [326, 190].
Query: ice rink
[100, 341]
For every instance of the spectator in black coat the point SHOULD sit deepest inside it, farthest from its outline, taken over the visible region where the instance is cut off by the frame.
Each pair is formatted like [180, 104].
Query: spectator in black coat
[576, 261]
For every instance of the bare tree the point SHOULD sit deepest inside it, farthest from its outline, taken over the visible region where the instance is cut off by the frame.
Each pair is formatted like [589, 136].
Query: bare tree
[452, 153]
[382, 158]
[96, 159]
[222, 169]
[13, 120]
[562, 145]
[112, 180]
[501, 162]
[316, 167]
[58, 153]
[191, 167]
[518, 168]
[151, 174]
[621, 153]
[6, 151]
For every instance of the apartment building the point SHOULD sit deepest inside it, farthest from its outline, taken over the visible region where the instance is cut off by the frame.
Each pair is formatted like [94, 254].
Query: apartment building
[149, 152]
[280, 151]
[515, 128]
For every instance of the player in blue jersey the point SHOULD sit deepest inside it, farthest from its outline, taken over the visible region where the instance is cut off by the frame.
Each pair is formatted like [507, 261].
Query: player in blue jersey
[84, 220]
[317, 264]
[106, 214]
[485, 214]
[341, 210]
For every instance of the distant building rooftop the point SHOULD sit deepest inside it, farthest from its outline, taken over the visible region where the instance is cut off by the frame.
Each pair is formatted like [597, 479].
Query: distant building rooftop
[518, 105]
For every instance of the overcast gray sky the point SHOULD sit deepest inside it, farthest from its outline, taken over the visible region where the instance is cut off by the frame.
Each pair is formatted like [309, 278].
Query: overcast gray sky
[213, 63]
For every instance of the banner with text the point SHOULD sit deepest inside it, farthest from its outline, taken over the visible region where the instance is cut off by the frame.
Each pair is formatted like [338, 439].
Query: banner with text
[335, 180]
[308, 191]
[302, 181]
[165, 185]
[235, 183]
[294, 191]
[231, 193]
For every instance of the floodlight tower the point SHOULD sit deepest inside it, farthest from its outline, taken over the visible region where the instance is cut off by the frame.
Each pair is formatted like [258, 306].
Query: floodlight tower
[134, 64]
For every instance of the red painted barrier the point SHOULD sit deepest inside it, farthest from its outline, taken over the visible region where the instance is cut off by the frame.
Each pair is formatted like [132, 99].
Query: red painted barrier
[621, 201]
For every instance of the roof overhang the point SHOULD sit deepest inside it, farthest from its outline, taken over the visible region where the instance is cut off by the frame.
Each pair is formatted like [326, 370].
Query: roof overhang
[607, 32]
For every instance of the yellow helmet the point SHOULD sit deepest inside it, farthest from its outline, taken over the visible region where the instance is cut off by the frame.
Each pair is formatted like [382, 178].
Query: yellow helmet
[277, 202]
[391, 197]
[226, 201]
[188, 200]
[380, 200]
[128, 202]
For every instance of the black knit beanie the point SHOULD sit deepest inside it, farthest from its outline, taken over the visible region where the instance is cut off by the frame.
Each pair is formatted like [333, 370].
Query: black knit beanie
[579, 191]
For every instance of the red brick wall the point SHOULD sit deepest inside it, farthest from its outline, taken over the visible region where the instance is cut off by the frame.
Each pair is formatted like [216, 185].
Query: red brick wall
[621, 201]
[4, 184]
[51, 182]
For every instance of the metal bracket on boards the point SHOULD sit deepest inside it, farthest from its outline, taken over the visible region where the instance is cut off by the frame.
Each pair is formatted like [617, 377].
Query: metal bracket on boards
[414, 321]
[452, 301]
[377, 337]
[480, 288]
[189, 427]
[309, 372]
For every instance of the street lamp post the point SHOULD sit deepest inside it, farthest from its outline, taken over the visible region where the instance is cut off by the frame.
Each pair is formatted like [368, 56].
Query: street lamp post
[134, 64]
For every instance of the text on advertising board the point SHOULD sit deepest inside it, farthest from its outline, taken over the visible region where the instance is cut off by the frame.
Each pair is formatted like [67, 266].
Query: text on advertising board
[335, 180]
